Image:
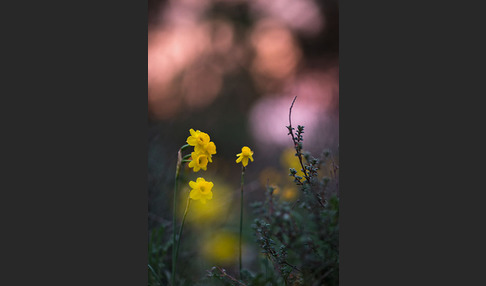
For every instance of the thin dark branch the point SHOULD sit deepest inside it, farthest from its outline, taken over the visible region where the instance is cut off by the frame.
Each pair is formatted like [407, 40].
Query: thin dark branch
[299, 155]
[290, 112]
[294, 267]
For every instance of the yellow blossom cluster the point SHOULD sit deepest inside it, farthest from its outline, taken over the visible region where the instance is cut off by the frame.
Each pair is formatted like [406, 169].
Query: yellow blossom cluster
[204, 149]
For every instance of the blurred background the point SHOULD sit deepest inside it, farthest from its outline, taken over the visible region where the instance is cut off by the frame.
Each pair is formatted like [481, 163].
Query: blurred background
[231, 68]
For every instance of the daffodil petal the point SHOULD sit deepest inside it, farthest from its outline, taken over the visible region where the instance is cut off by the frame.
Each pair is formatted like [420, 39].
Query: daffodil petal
[198, 148]
[211, 148]
[191, 141]
[195, 194]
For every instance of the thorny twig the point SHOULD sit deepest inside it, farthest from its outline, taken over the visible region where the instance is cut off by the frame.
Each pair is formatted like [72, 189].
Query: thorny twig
[299, 155]
[293, 266]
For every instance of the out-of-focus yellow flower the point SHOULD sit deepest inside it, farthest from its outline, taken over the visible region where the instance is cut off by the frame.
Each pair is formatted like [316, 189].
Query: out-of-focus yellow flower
[222, 247]
[289, 160]
[201, 142]
[199, 161]
[245, 154]
[288, 193]
[201, 190]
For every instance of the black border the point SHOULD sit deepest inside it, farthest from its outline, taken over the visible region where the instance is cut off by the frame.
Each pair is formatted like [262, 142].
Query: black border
[76, 145]
[407, 191]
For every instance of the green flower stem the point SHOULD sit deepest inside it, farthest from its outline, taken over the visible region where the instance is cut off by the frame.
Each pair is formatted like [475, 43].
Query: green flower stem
[186, 157]
[241, 211]
[185, 146]
[182, 225]
[178, 167]
[172, 278]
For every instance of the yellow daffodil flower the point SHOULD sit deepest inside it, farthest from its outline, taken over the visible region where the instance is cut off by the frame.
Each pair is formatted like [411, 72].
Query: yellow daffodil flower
[219, 247]
[201, 190]
[244, 155]
[199, 140]
[199, 161]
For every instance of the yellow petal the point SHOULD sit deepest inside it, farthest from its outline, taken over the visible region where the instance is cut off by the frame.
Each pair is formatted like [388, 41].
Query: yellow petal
[245, 161]
[211, 148]
[193, 133]
[198, 149]
[209, 196]
[204, 137]
[192, 164]
[246, 151]
[195, 194]
[207, 187]
[191, 141]
[192, 184]
[202, 160]
[239, 159]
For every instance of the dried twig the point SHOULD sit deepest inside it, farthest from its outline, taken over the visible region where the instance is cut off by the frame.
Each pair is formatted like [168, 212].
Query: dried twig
[296, 145]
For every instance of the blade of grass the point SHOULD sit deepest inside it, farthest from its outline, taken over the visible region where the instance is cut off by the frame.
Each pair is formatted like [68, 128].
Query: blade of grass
[155, 274]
